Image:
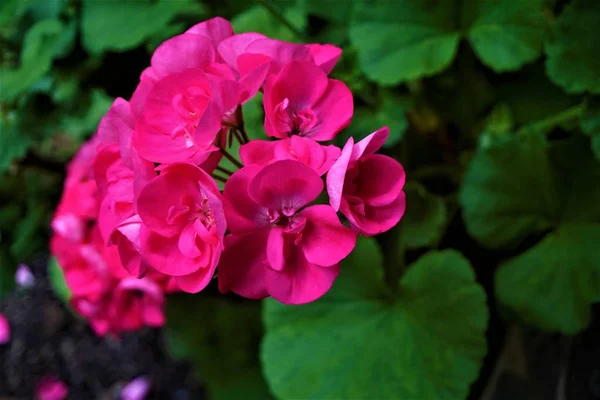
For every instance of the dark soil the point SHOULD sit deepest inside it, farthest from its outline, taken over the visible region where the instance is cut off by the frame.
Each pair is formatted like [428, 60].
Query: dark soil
[46, 339]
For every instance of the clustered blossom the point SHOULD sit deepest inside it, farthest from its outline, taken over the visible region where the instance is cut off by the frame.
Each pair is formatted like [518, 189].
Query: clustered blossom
[159, 216]
[101, 289]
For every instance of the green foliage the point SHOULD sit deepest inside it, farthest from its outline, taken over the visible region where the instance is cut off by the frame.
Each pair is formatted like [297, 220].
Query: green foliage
[523, 185]
[590, 123]
[572, 62]
[491, 134]
[400, 41]
[57, 281]
[356, 342]
[425, 217]
[221, 337]
[118, 26]
[553, 284]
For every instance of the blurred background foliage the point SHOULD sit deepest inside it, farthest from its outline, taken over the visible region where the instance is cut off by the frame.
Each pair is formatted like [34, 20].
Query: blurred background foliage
[494, 110]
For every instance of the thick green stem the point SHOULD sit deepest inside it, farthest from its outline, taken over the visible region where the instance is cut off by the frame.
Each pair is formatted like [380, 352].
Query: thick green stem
[551, 122]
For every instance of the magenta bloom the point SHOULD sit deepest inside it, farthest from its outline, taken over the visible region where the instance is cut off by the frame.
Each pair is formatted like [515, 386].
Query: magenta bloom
[367, 187]
[302, 100]
[137, 389]
[135, 303]
[310, 153]
[278, 247]
[51, 388]
[183, 225]
[4, 330]
[24, 277]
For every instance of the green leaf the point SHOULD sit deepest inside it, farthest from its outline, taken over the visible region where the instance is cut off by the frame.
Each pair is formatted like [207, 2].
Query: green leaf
[41, 44]
[506, 34]
[57, 281]
[572, 61]
[357, 343]
[122, 25]
[13, 144]
[425, 218]
[391, 113]
[532, 97]
[590, 122]
[259, 19]
[226, 327]
[86, 120]
[405, 40]
[519, 186]
[554, 284]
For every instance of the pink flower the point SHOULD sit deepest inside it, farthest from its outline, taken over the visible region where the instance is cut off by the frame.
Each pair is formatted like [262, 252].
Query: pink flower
[51, 388]
[136, 303]
[183, 225]
[24, 277]
[137, 389]
[246, 51]
[4, 330]
[367, 187]
[180, 119]
[301, 100]
[278, 247]
[312, 154]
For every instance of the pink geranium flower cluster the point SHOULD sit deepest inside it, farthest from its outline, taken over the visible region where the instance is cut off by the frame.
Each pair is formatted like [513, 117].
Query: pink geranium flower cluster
[271, 231]
[101, 289]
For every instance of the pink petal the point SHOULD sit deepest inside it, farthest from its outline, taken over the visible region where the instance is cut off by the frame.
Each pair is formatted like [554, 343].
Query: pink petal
[243, 264]
[165, 133]
[51, 388]
[371, 143]
[117, 122]
[280, 52]
[312, 154]
[243, 214]
[334, 111]
[182, 52]
[301, 281]
[337, 175]
[167, 202]
[136, 389]
[291, 83]
[232, 47]
[276, 248]
[216, 29]
[285, 186]
[260, 152]
[196, 281]
[24, 278]
[5, 330]
[163, 254]
[380, 180]
[325, 241]
[325, 55]
[376, 220]
[254, 69]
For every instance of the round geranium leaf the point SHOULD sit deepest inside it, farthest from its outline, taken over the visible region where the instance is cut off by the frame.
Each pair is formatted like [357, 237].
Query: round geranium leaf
[360, 342]
[554, 283]
[573, 61]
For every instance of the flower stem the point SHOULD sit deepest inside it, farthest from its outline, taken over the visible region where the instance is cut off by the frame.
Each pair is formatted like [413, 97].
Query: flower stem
[551, 122]
[219, 178]
[224, 170]
[239, 116]
[277, 14]
[393, 257]
[230, 158]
